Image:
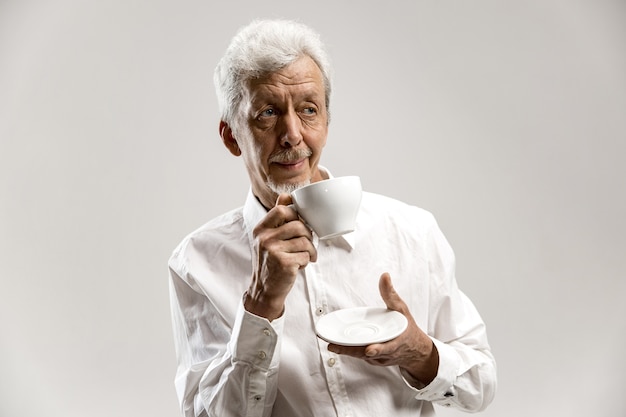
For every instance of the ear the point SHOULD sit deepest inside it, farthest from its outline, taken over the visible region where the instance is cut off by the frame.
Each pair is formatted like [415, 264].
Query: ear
[226, 133]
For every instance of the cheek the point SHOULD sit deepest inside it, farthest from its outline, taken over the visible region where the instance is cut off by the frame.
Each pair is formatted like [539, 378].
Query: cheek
[255, 154]
[321, 141]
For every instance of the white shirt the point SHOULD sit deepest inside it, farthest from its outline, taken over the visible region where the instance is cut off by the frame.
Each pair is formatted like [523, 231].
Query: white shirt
[233, 363]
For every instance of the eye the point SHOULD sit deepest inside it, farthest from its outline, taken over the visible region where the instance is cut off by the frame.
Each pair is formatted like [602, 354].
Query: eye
[309, 111]
[269, 112]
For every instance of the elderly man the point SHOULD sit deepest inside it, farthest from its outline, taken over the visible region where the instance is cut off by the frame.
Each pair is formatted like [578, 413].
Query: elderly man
[248, 287]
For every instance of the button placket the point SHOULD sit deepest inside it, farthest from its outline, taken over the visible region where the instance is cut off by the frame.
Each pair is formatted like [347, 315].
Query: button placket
[317, 287]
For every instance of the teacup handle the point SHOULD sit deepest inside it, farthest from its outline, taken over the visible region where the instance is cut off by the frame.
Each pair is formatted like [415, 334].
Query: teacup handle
[293, 207]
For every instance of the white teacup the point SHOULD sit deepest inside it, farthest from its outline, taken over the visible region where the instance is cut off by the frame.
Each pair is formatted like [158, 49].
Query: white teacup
[330, 206]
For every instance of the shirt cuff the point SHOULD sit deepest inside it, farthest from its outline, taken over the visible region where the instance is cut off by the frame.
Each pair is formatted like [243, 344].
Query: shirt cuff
[255, 339]
[440, 388]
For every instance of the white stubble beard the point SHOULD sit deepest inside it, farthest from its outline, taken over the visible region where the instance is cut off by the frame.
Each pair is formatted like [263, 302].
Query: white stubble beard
[287, 154]
[286, 188]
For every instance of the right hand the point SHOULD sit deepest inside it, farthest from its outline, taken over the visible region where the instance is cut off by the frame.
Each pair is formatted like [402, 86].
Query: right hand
[284, 245]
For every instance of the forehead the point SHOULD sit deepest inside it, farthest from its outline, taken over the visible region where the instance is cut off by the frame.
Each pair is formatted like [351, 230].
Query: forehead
[301, 77]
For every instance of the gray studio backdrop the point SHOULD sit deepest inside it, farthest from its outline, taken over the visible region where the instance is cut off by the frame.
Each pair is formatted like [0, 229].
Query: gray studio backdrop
[506, 119]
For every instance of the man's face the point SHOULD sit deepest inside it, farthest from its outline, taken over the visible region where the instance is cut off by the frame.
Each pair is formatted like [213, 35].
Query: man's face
[284, 129]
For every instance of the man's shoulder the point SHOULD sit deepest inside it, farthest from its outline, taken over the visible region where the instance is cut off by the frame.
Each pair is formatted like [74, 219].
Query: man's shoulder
[392, 218]
[225, 227]
[379, 204]
[224, 223]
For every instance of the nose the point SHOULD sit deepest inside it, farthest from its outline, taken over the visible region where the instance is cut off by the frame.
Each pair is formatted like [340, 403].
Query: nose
[291, 132]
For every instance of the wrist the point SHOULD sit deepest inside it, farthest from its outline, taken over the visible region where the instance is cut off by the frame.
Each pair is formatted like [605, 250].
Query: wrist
[425, 369]
[261, 306]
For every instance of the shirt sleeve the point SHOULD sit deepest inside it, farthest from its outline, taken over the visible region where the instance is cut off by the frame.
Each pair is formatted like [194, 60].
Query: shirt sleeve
[461, 382]
[466, 378]
[224, 369]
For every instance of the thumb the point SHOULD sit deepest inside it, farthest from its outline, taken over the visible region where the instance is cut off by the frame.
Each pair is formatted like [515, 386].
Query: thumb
[389, 294]
[284, 200]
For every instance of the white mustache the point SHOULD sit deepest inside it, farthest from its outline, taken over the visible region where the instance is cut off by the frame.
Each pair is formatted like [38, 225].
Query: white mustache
[290, 155]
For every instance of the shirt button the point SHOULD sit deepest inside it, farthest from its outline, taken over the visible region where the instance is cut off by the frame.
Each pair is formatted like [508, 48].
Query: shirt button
[332, 362]
[258, 397]
[319, 311]
[262, 355]
[266, 332]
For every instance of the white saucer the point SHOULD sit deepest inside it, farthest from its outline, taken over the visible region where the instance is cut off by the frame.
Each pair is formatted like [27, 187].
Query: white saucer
[360, 326]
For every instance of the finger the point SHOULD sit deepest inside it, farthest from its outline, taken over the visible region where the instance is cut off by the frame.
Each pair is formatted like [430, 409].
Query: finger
[302, 245]
[375, 354]
[287, 213]
[288, 229]
[375, 350]
[354, 351]
[277, 216]
[292, 237]
[389, 295]
[284, 200]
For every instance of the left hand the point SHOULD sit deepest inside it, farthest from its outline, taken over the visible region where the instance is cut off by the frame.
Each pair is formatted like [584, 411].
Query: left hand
[413, 350]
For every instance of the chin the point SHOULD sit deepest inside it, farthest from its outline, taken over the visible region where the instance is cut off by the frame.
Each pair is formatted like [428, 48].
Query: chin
[287, 187]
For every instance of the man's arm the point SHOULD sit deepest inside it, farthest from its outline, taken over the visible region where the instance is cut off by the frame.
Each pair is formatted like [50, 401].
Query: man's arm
[224, 369]
[283, 246]
[230, 369]
[449, 363]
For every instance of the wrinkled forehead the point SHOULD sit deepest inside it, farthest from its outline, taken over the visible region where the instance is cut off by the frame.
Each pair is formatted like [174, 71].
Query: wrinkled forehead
[301, 77]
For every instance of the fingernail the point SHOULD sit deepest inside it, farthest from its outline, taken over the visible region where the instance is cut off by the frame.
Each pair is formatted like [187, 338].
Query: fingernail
[372, 352]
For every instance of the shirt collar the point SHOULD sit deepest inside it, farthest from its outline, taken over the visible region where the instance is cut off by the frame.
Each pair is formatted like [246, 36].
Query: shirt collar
[253, 213]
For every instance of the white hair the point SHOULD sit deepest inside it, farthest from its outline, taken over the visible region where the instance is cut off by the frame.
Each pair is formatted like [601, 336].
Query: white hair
[258, 49]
